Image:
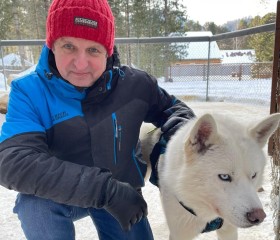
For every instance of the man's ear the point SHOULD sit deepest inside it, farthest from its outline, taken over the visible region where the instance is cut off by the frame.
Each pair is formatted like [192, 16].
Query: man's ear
[114, 60]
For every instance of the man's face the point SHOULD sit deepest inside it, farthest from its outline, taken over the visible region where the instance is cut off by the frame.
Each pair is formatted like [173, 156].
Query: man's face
[81, 62]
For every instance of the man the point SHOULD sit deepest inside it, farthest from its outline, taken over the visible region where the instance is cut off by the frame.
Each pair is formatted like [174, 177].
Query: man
[69, 145]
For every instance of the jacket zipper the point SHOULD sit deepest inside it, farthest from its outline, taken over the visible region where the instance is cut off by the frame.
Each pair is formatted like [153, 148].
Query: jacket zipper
[117, 129]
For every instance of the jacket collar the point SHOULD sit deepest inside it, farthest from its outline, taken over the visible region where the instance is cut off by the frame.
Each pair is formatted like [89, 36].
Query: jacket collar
[102, 87]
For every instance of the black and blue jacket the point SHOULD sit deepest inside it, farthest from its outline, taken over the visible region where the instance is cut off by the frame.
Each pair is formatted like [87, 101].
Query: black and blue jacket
[64, 144]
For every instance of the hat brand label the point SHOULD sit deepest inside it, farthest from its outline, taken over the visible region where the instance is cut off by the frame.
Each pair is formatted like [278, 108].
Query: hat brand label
[85, 22]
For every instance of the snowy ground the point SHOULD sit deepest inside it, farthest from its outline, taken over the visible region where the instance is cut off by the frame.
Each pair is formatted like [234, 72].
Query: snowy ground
[10, 227]
[217, 89]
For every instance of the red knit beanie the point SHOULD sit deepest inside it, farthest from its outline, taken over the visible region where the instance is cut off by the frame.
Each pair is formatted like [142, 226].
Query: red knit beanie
[87, 19]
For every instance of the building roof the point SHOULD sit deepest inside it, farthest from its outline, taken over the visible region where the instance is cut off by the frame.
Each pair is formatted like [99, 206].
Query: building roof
[196, 50]
[238, 56]
[13, 60]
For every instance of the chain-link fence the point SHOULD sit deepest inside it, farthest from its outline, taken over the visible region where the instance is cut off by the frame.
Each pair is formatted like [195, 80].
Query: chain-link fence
[193, 67]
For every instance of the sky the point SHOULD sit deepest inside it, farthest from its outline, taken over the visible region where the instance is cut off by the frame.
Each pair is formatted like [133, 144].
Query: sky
[222, 11]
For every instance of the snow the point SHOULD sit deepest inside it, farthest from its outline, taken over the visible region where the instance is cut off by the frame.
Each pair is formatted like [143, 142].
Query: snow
[27, 71]
[196, 50]
[13, 59]
[256, 91]
[238, 56]
[10, 226]
[2, 80]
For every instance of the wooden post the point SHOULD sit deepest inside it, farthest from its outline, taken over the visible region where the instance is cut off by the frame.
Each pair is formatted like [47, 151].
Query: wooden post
[274, 144]
[275, 88]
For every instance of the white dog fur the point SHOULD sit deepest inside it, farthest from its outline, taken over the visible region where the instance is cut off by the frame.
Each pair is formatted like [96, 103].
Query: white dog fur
[213, 166]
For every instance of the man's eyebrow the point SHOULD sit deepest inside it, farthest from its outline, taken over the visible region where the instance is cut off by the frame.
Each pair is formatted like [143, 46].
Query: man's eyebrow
[65, 40]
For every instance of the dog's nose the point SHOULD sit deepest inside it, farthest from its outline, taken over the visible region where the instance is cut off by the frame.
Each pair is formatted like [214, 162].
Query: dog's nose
[256, 216]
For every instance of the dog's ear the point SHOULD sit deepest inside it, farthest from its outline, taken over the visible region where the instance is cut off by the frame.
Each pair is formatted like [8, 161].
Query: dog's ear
[264, 129]
[203, 133]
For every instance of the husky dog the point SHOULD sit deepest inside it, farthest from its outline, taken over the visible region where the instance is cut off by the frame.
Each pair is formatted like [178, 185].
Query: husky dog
[209, 174]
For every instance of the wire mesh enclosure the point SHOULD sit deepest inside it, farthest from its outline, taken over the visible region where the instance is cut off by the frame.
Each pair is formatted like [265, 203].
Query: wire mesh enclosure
[192, 67]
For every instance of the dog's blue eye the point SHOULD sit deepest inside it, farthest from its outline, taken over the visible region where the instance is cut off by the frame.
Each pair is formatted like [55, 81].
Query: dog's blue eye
[225, 177]
[254, 175]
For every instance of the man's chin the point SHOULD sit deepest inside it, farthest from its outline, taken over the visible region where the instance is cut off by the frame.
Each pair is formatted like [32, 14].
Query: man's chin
[82, 83]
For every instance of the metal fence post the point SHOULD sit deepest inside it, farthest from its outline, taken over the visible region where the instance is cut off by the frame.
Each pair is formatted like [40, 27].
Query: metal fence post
[208, 70]
[2, 60]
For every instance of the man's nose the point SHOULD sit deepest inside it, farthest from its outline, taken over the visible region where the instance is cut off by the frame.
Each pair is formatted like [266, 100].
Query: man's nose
[81, 61]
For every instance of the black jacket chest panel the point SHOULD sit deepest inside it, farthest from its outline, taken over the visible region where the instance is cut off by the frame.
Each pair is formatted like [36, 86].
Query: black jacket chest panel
[114, 131]
[70, 141]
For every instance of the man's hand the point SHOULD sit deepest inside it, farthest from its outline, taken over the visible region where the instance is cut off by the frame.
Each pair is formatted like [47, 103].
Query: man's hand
[125, 204]
[171, 126]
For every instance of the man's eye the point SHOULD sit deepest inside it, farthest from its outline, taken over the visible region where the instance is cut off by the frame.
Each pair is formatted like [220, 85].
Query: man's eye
[94, 51]
[68, 46]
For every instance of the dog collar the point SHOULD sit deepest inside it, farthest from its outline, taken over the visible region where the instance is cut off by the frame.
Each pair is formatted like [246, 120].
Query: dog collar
[210, 226]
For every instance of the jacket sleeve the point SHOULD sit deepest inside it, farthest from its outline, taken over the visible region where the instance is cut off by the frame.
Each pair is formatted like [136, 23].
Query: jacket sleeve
[164, 107]
[27, 166]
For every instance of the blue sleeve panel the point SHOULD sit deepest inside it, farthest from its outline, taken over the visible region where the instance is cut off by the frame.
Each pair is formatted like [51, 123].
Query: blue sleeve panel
[35, 105]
